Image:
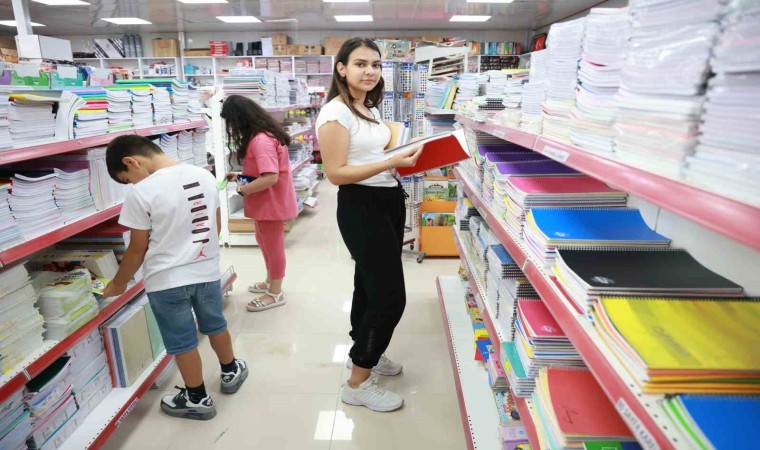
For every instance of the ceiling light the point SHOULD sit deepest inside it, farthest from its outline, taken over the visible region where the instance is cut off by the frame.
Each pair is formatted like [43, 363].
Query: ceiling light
[353, 18]
[12, 23]
[62, 2]
[126, 21]
[238, 19]
[458, 18]
[490, 1]
[200, 2]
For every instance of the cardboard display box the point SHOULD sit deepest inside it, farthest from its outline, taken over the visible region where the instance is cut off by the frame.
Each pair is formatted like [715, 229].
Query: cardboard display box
[333, 43]
[165, 48]
[279, 50]
[309, 50]
[197, 52]
[292, 50]
[279, 39]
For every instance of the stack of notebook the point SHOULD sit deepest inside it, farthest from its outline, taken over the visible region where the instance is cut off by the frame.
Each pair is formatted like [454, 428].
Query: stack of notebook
[716, 421]
[32, 203]
[31, 119]
[513, 154]
[586, 275]
[67, 303]
[162, 106]
[169, 143]
[199, 146]
[180, 101]
[5, 131]
[106, 236]
[20, 321]
[142, 105]
[92, 377]
[505, 285]
[72, 195]
[463, 212]
[521, 382]
[534, 93]
[100, 262]
[92, 118]
[194, 107]
[49, 397]
[687, 345]
[550, 229]
[119, 110]
[10, 234]
[531, 166]
[569, 408]
[185, 147]
[523, 193]
[15, 422]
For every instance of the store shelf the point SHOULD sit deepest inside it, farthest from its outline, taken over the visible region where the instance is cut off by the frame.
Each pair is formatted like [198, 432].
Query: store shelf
[723, 215]
[32, 246]
[640, 411]
[523, 408]
[57, 147]
[112, 411]
[476, 402]
[302, 132]
[300, 165]
[53, 350]
[289, 108]
[440, 112]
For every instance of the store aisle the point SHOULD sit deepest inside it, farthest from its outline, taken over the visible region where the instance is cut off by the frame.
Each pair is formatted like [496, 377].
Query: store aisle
[297, 356]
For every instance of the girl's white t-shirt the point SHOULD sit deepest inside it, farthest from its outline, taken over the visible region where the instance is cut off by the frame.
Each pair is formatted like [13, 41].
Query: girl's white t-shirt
[367, 140]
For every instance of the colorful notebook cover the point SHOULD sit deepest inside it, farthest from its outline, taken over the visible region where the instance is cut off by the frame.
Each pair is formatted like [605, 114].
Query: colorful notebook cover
[438, 151]
[572, 224]
[611, 445]
[538, 320]
[560, 185]
[533, 168]
[515, 157]
[729, 422]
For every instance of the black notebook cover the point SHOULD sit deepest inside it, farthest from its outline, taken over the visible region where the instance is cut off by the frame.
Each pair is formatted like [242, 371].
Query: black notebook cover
[636, 270]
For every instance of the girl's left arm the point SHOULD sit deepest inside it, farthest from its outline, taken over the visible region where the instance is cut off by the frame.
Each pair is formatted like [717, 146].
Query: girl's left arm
[265, 181]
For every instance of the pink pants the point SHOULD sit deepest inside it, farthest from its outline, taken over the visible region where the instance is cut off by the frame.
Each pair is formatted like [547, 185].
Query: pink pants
[270, 234]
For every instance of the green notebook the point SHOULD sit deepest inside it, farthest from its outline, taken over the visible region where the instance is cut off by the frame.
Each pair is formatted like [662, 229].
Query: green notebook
[611, 445]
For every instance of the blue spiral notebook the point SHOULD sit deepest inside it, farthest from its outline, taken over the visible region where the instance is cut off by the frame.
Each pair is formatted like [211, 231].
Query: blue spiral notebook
[727, 421]
[595, 226]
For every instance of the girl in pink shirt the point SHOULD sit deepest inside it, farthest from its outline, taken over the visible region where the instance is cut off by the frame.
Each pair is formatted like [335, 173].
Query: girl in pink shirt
[261, 145]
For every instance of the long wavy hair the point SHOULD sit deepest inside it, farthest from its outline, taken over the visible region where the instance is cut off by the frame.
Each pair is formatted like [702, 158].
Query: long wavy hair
[244, 119]
[339, 86]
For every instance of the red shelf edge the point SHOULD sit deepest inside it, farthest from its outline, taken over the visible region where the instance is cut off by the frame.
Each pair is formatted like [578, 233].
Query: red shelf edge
[606, 376]
[720, 214]
[129, 406]
[527, 421]
[21, 251]
[460, 394]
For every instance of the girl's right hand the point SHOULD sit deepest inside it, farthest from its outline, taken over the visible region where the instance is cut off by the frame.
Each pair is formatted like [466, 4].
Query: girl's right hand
[408, 158]
[232, 176]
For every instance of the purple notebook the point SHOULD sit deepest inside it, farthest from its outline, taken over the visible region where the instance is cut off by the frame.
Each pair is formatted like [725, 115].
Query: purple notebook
[515, 157]
[501, 148]
[534, 168]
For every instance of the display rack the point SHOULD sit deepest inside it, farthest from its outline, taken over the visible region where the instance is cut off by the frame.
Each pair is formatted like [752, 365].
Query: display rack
[731, 218]
[476, 401]
[641, 412]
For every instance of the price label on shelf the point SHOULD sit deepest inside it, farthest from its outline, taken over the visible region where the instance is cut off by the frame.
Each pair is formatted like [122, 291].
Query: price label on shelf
[501, 134]
[555, 154]
[643, 435]
[126, 413]
[161, 130]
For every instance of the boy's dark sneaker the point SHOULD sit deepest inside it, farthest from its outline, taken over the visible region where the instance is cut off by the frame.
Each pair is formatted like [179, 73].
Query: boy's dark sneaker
[180, 406]
[231, 382]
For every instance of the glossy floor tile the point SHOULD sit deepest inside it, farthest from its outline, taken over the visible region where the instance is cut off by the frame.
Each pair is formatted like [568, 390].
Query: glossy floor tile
[297, 357]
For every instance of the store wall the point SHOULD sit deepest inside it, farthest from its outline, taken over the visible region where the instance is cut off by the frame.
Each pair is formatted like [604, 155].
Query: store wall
[604, 4]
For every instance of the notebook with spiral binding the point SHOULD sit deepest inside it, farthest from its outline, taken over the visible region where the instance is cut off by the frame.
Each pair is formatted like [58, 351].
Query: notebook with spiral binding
[533, 168]
[719, 421]
[604, 227]
[440, 150]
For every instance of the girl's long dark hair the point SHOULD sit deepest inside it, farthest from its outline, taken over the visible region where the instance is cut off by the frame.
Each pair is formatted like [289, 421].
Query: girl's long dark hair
[244, 119]
[339, 86]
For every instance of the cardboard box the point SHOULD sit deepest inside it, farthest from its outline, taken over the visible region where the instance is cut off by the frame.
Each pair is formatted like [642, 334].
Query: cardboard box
[437, 240]
[309, 50]
[279, 50]
[279, 39]
[333, 43]
[165, 48]
[292, 50]
[197, 52]
[432, 38]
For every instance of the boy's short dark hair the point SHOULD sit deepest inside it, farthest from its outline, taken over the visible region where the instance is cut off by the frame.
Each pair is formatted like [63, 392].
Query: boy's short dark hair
[129, 145]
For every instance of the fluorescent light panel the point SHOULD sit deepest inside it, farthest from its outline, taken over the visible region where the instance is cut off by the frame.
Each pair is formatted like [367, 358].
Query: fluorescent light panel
[62, 2]
[238, 19]
[200, 2]
[365, 18]
[12, 23]
[126, 21]
[458, 18]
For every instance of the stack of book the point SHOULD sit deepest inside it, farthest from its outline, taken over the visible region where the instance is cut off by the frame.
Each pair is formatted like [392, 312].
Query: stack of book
[162, 106]
[10, 234]
[119, 110]
[5, 130]
[199, 146]
[497, 81]
[185, 147]
[72, 195]
[31, 118]
[505, 285]
[142, 105]
[505, 154]
[258, 85]
[194, 105]
[32, 203]
[92, 377]
[534, 93]
[67, 303]
[170, 145]
[92, 118]
[15, 422]
[180, 101]
[464, 210]
[20, 321]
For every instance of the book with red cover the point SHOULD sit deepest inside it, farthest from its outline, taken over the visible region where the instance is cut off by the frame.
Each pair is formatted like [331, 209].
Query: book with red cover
[440, 150]
[560, 185]
[582, 409]
[537, 319]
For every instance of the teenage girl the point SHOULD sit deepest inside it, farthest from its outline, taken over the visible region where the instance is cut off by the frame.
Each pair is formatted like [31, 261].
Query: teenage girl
[261, 145]
[371, 215]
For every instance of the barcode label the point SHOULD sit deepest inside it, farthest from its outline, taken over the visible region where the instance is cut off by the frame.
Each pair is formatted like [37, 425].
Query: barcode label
[643, 435]
[556, 154]
[127, 412]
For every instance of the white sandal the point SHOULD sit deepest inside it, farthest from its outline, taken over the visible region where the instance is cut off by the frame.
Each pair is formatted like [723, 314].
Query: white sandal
[255, 289]
[257, 305]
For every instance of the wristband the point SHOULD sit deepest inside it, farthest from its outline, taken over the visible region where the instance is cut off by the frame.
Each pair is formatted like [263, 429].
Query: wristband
[240, 192]
[390, 166]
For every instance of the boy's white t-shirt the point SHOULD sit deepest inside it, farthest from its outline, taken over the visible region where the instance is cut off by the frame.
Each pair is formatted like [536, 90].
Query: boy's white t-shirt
[178, 205]
[367, 140]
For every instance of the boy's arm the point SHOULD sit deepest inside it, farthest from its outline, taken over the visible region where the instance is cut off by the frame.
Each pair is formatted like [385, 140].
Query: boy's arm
[130, 263]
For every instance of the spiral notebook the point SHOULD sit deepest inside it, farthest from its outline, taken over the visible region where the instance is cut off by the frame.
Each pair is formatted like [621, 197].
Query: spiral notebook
[717, 421]
[440, 150]
[533, 168]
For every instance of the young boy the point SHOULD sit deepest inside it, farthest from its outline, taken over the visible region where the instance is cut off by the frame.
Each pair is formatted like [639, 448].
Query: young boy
[173, 212]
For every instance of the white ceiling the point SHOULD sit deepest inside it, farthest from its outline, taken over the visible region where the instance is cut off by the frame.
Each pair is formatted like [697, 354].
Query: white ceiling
[173, 16]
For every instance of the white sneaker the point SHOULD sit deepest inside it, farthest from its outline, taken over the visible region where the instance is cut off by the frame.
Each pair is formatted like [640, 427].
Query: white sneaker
[372, 396]
[384, 367]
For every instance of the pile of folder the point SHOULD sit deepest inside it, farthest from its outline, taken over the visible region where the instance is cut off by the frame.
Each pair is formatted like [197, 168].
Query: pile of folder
[5, 130]
[604, 44]
[91, 119]
[119, 110]
[564, 46]
[549, 229]
[20, 321]
[31, 118]
[15, 422]
[534, 93]
[662, 80]
[67, 303]
[72, 195]
[570, 408]
[92, 377]
[199, 146]
[10, 234]
[162, 106]
[32, 202]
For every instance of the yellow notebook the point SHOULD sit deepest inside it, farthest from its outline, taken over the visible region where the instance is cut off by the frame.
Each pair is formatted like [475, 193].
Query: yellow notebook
[672, 335]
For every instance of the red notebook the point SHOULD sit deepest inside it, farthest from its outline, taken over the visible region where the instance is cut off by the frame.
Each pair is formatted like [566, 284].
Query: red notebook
[439, 150]
[537, 319]
[559, 185]
[581, 407]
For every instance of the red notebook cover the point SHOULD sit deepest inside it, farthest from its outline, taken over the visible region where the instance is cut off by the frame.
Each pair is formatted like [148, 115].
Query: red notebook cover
[443, 151]
[581, 407]
[537, 319]
[559, 185]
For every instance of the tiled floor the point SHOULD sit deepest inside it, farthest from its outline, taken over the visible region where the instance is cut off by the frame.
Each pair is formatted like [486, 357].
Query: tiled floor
[297, 354]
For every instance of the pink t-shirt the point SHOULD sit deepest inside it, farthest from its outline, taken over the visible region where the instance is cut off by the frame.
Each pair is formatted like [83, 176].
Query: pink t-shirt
[266, 155]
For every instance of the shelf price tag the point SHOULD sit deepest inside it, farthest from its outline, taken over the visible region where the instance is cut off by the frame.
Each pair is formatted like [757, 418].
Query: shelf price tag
[643, 435]
[126, 413]
[501, 134]
[555, 154]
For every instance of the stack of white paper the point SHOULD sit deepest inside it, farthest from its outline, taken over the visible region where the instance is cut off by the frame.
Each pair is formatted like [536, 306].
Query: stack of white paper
[662, 81]
[497, 81]
[604, 46]
[170, 145]
[199, 146]
[10, 234]
[105, 191]
[180, 101]
[20, 321]
[5, 131]
[534, 93]
[727, 159]
[92, 377]
[469, 87]
[67, 303]
[32, 203]
[142, 107]
[564, 46]
[282, 89]
[31, 119]
[185, 147]
[162, 106]
[72, 195]
[119, 110]
[194, 104]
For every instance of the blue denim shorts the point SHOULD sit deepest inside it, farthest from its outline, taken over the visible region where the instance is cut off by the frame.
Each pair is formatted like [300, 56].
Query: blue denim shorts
[174, 308]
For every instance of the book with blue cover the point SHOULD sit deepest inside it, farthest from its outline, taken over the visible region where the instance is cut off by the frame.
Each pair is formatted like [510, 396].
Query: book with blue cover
[720, 421]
